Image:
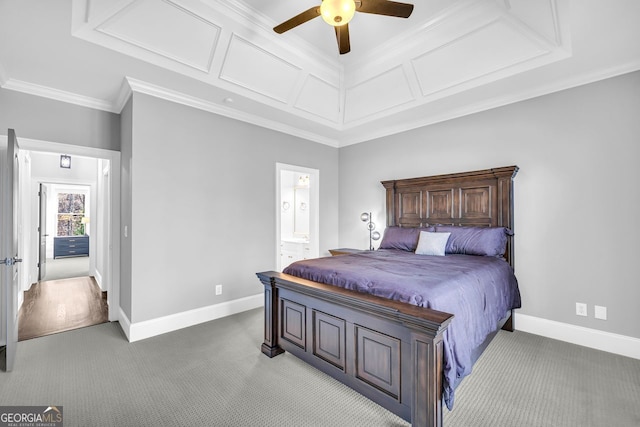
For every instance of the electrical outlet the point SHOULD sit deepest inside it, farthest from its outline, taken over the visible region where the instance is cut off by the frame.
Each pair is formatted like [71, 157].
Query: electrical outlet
[600, 312]
[581, 309]
[218, 289]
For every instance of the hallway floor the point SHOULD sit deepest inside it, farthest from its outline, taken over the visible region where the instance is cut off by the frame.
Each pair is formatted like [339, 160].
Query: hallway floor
[64, 268]
[56, 306]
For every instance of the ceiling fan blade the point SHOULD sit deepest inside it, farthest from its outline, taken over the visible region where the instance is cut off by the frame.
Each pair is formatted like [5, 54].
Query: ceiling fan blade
[384, 7]
[342, 35]
[301, 18]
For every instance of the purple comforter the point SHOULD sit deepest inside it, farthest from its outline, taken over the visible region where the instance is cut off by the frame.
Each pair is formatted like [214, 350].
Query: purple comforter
[477, 290]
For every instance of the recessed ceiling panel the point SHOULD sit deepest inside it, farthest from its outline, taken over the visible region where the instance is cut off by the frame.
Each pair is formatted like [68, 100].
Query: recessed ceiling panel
[401, 73]
[434, 8]
[539, 15]
[96, 8]
[377, 94]
[253, 68]
[488, 49]
[167, 29]
[319, 98]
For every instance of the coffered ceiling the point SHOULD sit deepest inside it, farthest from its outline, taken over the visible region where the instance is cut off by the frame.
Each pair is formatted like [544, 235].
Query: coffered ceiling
[450, 58]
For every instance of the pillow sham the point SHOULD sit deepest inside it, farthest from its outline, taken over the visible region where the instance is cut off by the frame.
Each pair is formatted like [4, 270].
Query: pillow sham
[404, 238]
[485, 241]
[432, 243]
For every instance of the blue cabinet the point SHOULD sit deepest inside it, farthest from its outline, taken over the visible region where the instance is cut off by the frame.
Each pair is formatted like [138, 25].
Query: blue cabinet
[70, 246]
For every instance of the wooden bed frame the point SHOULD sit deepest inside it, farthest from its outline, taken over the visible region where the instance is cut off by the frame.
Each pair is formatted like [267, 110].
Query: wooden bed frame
[391, 352]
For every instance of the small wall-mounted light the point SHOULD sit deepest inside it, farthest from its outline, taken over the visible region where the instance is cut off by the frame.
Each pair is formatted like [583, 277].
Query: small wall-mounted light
[303, 181]
[65, 161]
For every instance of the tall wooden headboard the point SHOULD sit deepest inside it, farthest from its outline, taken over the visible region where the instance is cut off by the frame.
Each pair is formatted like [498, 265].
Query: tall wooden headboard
[481, 198]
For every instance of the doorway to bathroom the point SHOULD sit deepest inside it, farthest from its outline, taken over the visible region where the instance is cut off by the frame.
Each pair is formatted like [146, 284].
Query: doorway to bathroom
[297, 214]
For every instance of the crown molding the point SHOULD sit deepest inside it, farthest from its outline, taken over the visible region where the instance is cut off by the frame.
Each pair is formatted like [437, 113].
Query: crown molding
[131, 85]
[123, 96]
[146, 88]
[59, 95]
[511, 98]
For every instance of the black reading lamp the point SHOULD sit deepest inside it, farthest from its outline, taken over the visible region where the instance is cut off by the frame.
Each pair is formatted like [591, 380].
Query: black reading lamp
[373, 235]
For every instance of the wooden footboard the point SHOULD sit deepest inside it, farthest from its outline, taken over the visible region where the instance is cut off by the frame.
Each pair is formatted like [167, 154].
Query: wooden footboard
[386, 350]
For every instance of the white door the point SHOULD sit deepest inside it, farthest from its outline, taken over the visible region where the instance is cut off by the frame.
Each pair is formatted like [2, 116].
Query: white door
[9, 249]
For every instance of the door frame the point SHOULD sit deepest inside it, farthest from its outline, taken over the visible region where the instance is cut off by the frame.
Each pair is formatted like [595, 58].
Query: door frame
[42, 230]
[314, 213]
[112, 281]
[11, 248]
[81, 187]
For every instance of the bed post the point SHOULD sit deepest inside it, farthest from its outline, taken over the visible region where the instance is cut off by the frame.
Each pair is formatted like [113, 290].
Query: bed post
[426, 358]
[391, 196]
[504, 177]
[270, 346]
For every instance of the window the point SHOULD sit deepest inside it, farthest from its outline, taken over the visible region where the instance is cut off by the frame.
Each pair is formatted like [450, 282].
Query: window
[70, 214]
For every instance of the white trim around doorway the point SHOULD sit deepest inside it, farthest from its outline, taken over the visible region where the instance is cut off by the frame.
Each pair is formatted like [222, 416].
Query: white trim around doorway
[112, 282]
[314, 201]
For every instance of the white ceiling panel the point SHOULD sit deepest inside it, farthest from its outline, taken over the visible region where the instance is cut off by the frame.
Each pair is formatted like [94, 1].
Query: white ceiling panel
[490, 48]
[540, 15]
[385, 91]
[168, 29]
[319, 98]
[435, 8]
[250, 67]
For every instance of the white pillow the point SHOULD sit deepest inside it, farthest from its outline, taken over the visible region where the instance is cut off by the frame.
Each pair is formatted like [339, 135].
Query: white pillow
[430, 243]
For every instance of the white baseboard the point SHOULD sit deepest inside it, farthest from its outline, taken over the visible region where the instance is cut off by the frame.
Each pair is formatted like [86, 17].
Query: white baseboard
[20, 300]
[150, 328]
[593, 338]
[125, 323]
[98, 278]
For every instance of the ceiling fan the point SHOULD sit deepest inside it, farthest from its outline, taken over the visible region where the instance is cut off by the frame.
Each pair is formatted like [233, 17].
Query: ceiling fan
[338, 13]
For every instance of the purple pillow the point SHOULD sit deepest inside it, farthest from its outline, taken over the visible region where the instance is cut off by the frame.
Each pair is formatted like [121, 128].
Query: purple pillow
[403, 238]
[485, 241]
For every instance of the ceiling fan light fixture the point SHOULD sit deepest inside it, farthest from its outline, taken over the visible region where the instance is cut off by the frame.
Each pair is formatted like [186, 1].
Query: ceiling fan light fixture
[337, 12]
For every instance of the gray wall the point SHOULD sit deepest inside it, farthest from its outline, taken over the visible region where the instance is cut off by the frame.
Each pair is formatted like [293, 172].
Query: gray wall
[576, 195]
[203, 205]
[198, 193]
[44, 119]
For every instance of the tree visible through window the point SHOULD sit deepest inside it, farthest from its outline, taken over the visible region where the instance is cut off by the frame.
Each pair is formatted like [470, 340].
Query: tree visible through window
[70, 213]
